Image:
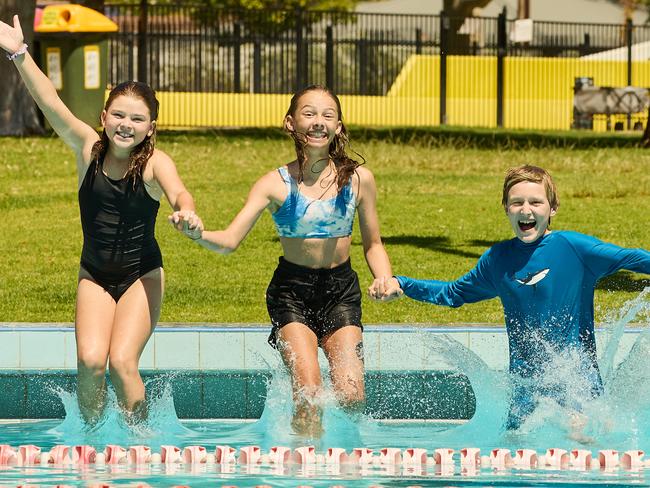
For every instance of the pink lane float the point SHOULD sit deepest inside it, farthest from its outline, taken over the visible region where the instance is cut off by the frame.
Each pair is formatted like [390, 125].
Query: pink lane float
[470, 457]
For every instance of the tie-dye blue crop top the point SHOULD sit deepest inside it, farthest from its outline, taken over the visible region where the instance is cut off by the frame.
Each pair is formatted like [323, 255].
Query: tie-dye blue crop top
[304, 217]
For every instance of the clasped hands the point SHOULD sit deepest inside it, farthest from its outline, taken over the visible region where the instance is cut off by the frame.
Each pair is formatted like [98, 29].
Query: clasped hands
[385, 289]
[187, 222]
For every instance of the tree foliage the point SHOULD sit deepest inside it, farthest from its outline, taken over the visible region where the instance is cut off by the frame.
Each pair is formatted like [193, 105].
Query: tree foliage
[462, 8]
[338, 5]
[94, 4]
[270, 17]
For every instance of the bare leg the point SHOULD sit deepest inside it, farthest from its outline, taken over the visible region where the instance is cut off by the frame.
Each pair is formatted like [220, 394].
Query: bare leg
[344, 351]
[298, 346]
[93, 323]
[136, 316]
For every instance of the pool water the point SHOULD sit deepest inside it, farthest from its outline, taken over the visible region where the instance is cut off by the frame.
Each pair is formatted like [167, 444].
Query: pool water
[375, 434]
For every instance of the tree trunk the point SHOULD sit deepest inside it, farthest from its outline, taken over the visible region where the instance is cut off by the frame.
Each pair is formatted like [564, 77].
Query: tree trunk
[94, 4]
[19, 115]
[523, 9]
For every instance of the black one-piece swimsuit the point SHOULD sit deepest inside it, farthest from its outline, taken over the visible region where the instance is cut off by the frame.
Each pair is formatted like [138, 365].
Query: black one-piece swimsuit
[118, 224]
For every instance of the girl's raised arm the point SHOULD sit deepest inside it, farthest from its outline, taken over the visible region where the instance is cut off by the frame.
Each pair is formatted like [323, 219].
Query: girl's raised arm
[75, 133]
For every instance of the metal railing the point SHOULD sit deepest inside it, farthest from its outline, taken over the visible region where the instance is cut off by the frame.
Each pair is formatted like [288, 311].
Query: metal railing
[191, 48]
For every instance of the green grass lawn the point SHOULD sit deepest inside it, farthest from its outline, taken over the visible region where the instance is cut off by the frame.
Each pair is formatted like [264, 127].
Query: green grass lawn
[438, 202]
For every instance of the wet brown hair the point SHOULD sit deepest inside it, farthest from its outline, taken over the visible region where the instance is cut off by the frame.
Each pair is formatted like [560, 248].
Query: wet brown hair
[345, 165]
[143, 151]
[533, 174]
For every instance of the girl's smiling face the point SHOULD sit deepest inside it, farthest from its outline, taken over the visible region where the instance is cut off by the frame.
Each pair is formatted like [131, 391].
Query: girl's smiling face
[529, 211]
[127, 122]
[317, 117]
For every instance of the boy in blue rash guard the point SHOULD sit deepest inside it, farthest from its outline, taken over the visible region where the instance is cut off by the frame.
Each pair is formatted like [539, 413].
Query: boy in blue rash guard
[545, 281]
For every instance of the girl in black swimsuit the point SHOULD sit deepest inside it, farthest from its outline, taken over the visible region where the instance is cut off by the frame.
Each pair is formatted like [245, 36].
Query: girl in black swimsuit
[121, 178]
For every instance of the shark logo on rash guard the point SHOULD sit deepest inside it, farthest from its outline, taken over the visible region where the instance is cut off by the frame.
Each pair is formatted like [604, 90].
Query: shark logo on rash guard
[531, 279]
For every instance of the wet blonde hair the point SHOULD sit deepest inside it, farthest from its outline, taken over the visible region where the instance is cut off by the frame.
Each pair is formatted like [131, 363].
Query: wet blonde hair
[533, 174]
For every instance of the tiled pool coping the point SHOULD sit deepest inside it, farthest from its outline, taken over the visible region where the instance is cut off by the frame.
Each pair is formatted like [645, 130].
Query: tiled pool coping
[209, 347]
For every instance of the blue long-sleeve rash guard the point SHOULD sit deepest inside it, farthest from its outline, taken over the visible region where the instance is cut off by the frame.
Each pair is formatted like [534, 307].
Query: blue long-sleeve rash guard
[547, 291]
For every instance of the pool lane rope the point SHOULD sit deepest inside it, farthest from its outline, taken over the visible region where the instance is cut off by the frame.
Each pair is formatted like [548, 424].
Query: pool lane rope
[469, 458]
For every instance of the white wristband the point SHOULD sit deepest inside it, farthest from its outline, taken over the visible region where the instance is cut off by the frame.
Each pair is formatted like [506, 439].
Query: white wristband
[20, 52]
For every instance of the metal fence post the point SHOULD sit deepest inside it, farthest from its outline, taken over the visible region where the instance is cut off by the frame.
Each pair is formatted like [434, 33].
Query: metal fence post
[300, 82]
[142, 41]
[129, 63]
[257, 67]
[237, 57]
[362, 60]
[584, 48]
[444, 46]
[418, 41]
[502, 50]
[628, 41]
[329, 57]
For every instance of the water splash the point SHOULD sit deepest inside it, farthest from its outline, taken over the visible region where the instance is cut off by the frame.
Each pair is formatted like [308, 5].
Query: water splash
[619, 417]
[492, 389]
[161, 427]
[274, 426]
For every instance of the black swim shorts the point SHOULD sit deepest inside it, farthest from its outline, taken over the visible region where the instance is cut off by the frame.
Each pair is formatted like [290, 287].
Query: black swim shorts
[324, 299]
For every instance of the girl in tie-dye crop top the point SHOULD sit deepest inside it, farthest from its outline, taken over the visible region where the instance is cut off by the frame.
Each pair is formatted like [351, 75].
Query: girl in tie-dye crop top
[304, 217]
[314, 297]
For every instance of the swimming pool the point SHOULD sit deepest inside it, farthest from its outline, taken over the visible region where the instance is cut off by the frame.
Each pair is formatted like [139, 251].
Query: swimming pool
[445, 358]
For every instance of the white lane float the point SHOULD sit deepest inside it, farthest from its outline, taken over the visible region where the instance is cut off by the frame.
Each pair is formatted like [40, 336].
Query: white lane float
[279, 455]
[29, 455]
[632, 459]
[250, 455]
[362, 455]
[83, 455]
[336, 455]
[470, 457]
[225, 455]
[580, 459]
[139, 455]
[500, 458]
[115, 454]
[304, 455]
[556, 458]
[388, 458]
[415, 456]
[443, 456]
[526, 458]
[608, 458]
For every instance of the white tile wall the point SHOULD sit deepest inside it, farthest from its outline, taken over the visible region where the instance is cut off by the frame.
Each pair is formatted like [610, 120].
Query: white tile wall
[54, 348]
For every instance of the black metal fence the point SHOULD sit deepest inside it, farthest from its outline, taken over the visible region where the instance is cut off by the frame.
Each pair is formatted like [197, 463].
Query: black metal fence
[195, 48]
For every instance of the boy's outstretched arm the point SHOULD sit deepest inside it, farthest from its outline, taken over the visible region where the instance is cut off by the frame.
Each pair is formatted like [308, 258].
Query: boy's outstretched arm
[604, 258]
[472, 287]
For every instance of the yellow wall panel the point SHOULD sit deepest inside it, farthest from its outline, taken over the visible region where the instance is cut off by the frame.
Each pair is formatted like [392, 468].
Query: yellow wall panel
[418, 78]
[538, 94]
[185, 109]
